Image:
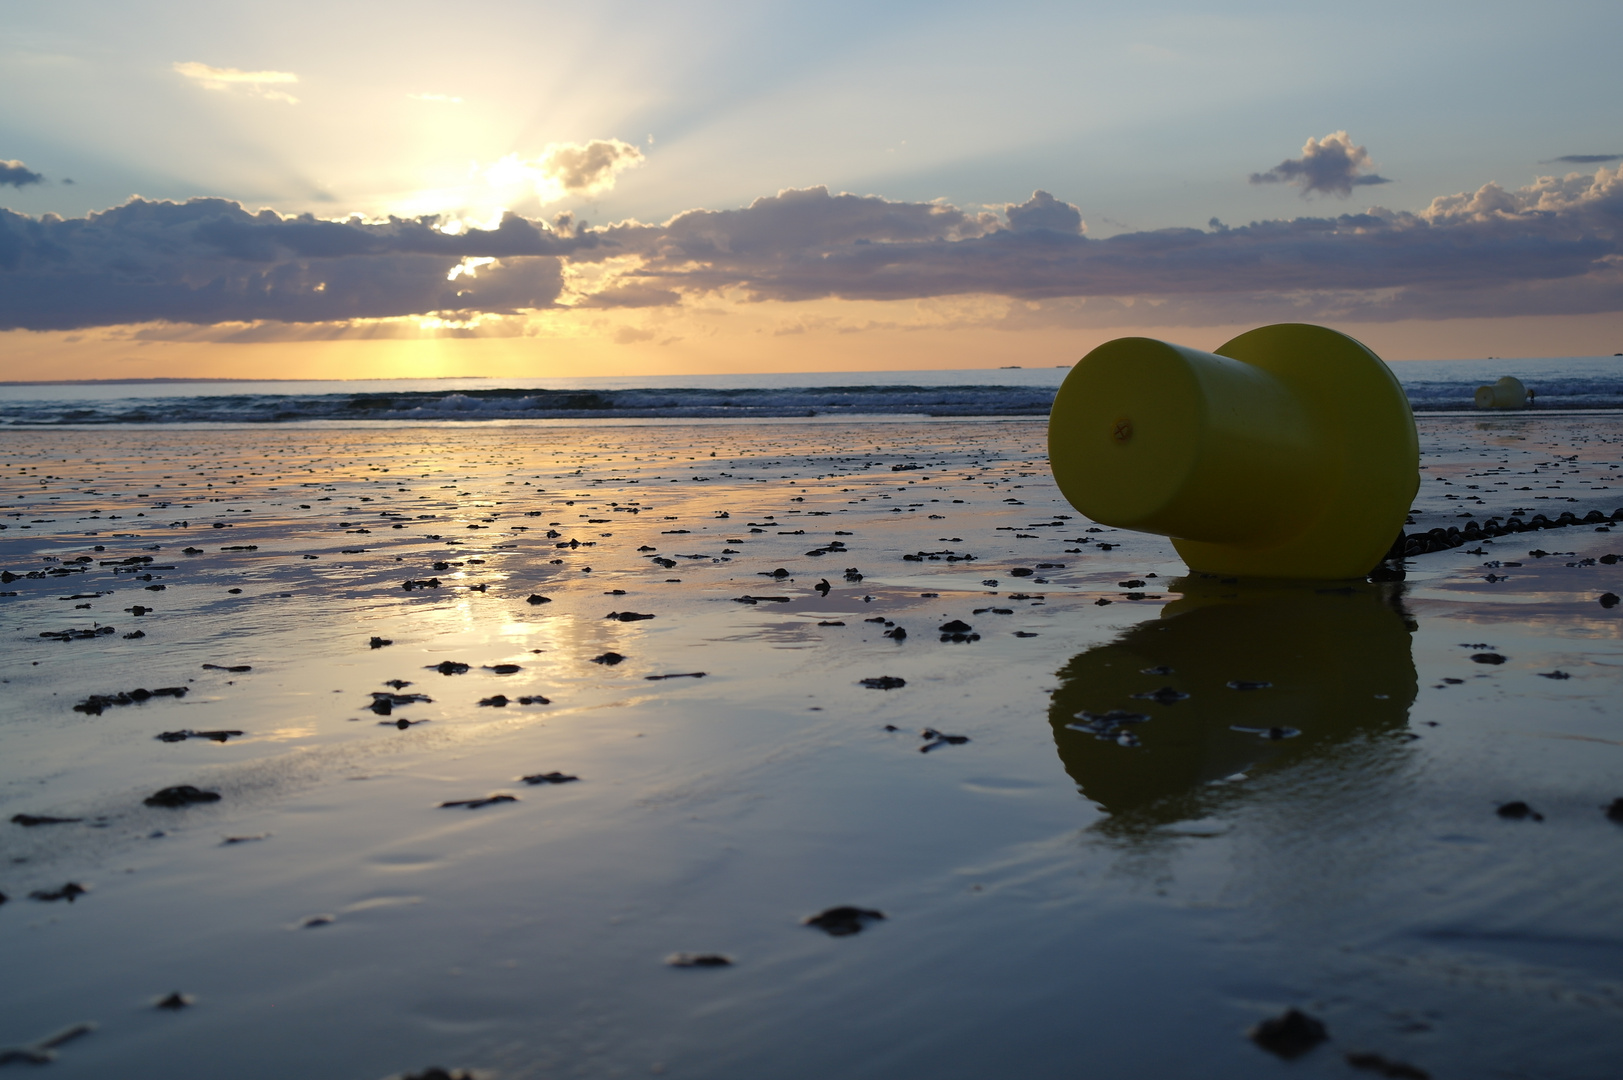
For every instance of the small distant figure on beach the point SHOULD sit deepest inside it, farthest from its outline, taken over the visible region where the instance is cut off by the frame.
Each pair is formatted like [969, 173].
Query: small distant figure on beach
[1507, 393]
[1531, 394]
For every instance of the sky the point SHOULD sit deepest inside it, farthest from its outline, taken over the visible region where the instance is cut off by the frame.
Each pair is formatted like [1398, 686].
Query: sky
[538, 189]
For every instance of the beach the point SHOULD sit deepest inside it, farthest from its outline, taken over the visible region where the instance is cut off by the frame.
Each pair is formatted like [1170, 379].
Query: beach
[504, 717]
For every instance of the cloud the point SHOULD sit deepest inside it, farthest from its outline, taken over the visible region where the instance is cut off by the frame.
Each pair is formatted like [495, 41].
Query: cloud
[589, 169]
[628, 295]
[561, 170]
[210, 261]
[565, 169]
[801, 223]
[1584, 159]
[1330, 166]
[225, 79]
[1552, 247]
[1043, 211]
[18, 175]
[630, 335]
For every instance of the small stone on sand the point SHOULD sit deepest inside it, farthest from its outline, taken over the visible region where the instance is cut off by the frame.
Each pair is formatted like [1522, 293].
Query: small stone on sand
[1289, 1035]
[181, 795]
[29, 821]
[698, 960]
[1519, 811]
[69, 892]
[843, 921]
[1397, 1070]
[474, 804]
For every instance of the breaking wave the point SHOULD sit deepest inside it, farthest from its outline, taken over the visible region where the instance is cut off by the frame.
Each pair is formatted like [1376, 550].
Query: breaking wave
[1577, 383]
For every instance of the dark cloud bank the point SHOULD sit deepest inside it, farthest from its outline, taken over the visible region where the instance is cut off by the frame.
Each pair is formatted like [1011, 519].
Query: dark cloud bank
[1555, 247]
[210, 261]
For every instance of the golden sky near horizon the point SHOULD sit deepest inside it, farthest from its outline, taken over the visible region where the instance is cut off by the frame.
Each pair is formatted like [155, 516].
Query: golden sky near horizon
[68, 356]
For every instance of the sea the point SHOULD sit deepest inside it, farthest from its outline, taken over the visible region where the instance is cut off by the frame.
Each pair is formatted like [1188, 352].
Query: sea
[1562, 383]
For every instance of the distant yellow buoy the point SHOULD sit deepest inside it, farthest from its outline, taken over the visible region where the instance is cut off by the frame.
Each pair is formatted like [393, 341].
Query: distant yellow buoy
[1507, 393]
[1290, 452]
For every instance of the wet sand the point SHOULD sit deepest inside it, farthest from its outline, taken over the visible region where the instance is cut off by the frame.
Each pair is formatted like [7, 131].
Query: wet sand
[1092, 853]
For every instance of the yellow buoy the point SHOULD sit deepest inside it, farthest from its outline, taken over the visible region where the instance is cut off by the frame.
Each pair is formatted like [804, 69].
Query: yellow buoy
[1290, 452]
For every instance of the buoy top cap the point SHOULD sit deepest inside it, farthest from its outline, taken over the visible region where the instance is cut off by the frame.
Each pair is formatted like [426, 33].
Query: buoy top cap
[1131, 450]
